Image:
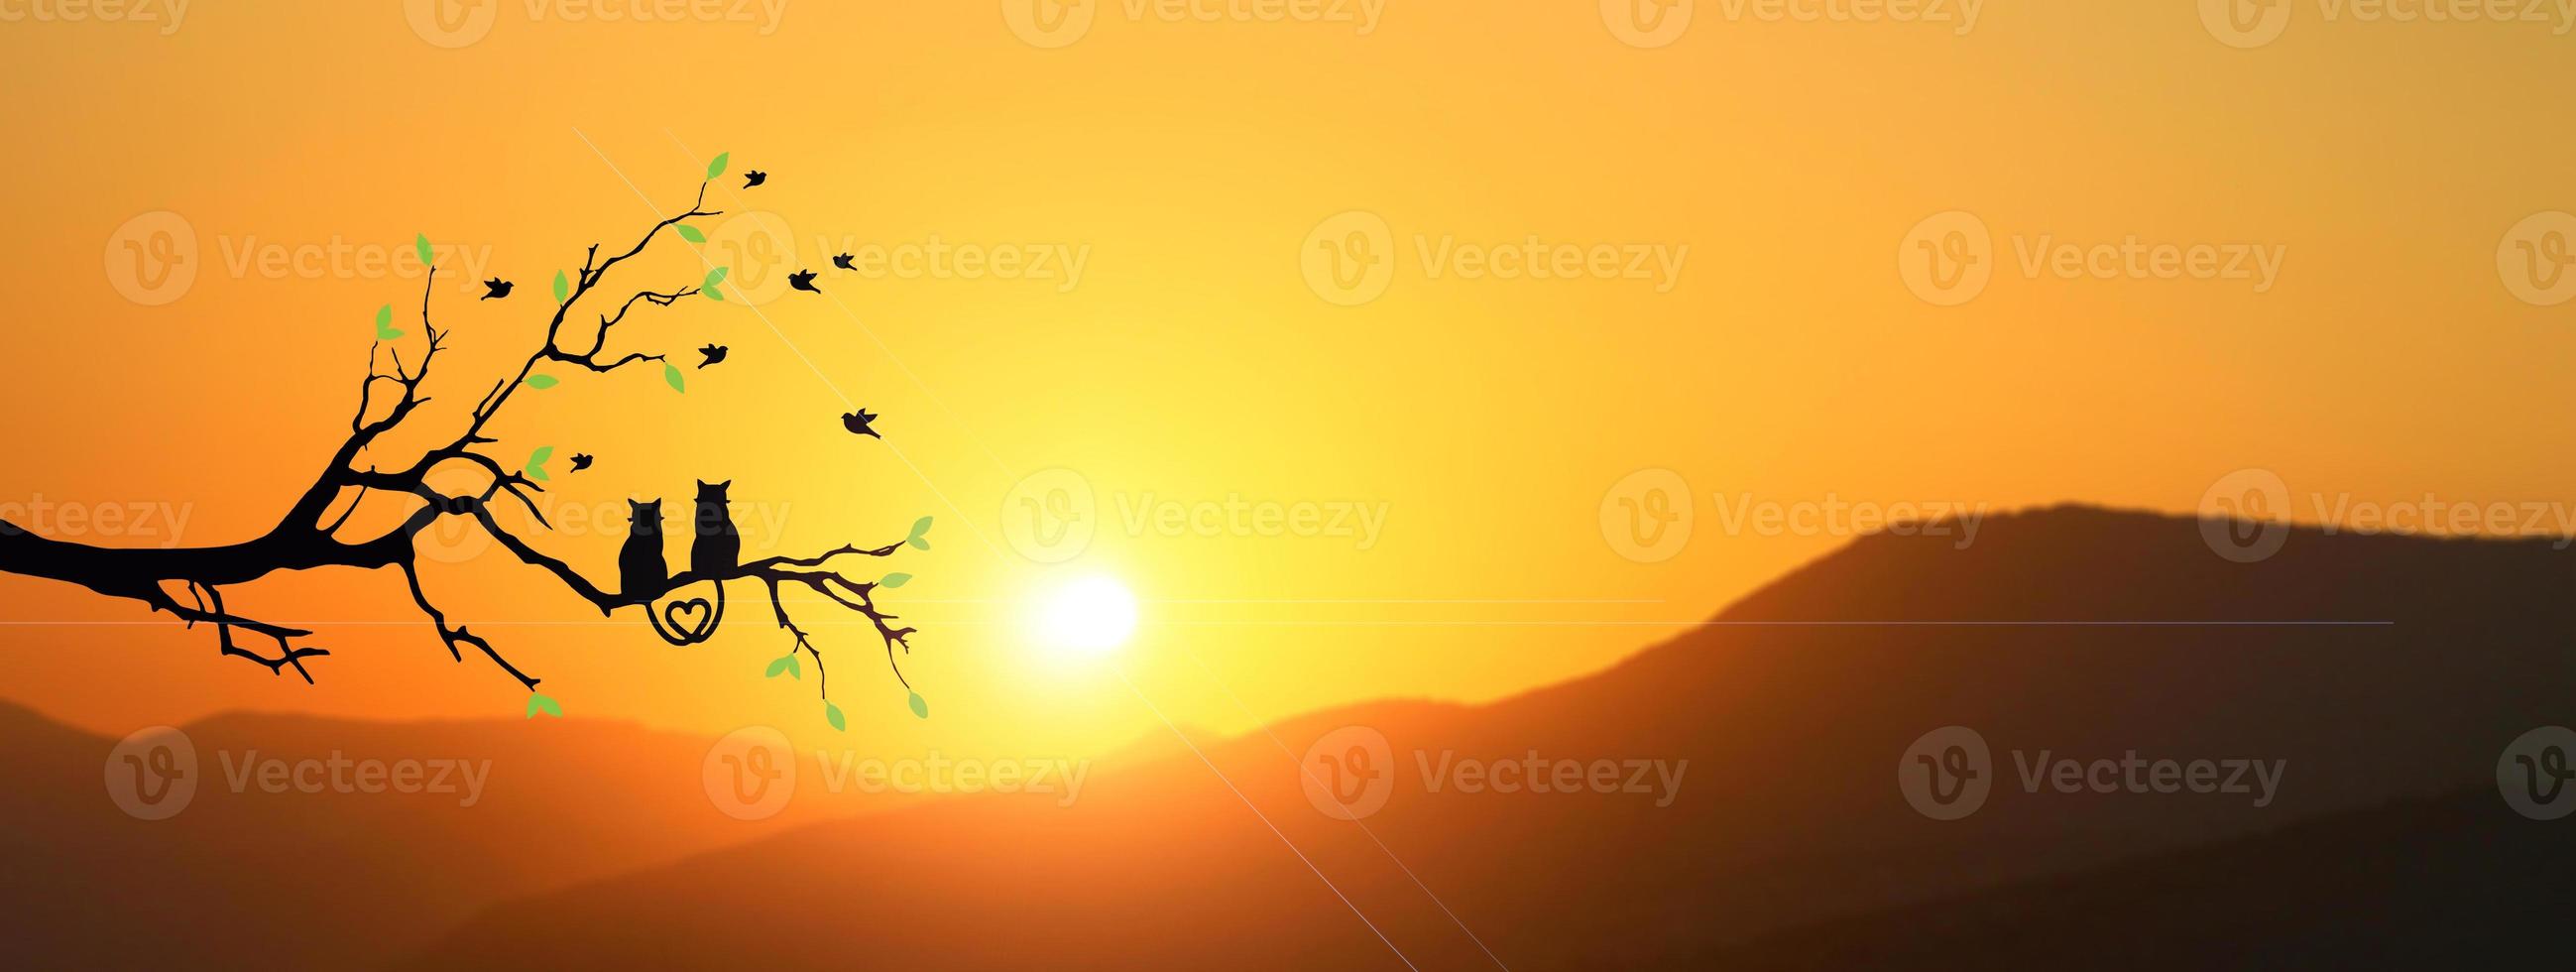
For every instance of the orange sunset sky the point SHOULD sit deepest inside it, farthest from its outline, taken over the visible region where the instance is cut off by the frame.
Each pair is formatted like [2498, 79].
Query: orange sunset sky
[1769, 171]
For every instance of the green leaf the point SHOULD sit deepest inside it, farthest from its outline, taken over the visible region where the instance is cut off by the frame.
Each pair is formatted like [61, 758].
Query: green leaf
[563, 287]
[385, 324]
[690, 233]
[832, 714]
[540, 702]
[717, 167]
[541, 382]
[715, 278]
[920, 538]
[536, 468]
[671, 373]
[788, 665]
[920, 706]
[420, 243]
[895, 580]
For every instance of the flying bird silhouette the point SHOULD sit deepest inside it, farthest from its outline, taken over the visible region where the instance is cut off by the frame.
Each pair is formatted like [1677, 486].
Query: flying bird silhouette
[580, 461]
[843, 262]
[803, 280]
[496, 287]
[715, 353]
[753, 178]
[857, 423]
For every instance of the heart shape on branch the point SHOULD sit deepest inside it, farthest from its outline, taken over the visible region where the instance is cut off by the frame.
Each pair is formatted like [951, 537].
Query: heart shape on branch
[697, 607]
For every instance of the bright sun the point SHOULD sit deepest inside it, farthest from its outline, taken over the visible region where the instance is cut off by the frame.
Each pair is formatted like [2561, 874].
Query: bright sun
[1089, 617]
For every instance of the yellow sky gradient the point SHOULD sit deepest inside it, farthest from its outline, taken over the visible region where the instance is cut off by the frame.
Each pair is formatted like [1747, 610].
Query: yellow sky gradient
[1187, 162]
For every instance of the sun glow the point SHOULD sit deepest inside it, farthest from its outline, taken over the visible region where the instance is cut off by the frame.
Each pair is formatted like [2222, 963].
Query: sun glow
[1087, 618]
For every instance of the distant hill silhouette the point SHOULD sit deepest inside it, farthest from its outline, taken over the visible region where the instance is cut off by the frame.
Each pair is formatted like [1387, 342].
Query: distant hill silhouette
[2438, 883]
[1788, 821]
[266, 880]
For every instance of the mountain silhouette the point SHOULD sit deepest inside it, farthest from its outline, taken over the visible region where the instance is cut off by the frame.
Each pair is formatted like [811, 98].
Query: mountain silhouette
[2379, 671]
[2414, 884]
[333, 879]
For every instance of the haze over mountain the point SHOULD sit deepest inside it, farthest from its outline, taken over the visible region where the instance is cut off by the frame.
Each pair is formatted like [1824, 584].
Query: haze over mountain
[251, 877]
[2371, 670]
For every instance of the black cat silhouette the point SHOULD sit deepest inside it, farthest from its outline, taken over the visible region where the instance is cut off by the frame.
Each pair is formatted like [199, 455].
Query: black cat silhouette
[719, 546]
[641, 574]
[715, 551]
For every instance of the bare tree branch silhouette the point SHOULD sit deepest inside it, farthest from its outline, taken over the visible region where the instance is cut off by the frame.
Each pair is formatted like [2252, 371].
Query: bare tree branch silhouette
[304, 540]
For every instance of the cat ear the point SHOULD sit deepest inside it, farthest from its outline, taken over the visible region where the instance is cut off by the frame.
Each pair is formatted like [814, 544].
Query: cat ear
[727, 484]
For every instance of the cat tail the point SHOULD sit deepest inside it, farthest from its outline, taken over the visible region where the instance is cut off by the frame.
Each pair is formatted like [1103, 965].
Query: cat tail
[666, 622]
